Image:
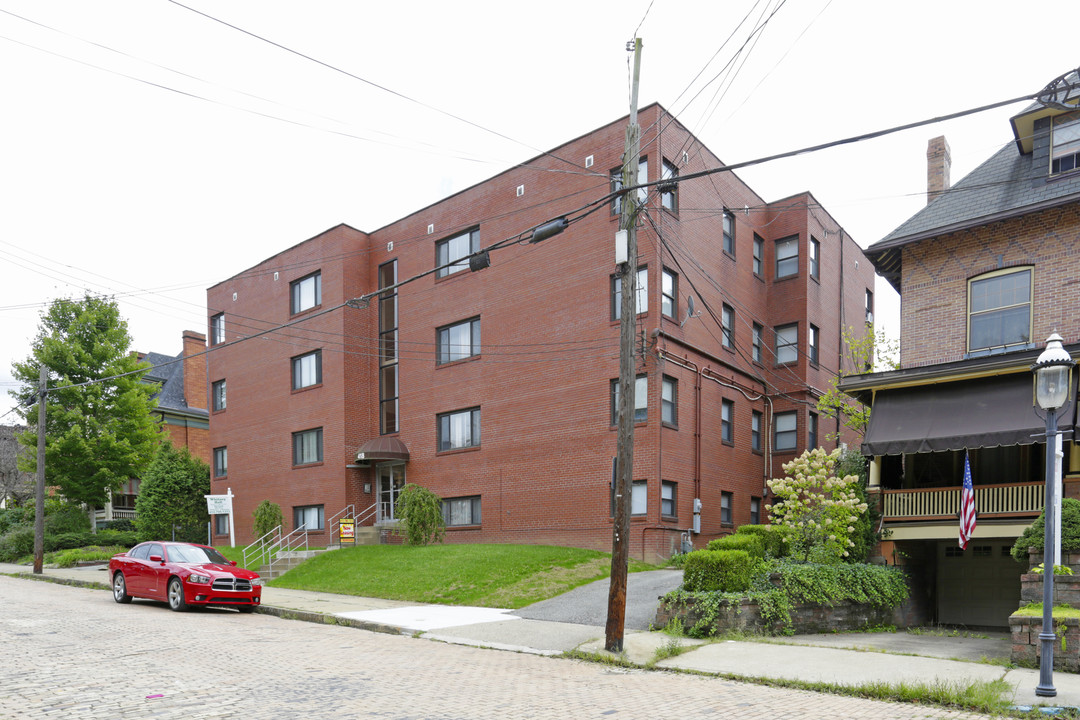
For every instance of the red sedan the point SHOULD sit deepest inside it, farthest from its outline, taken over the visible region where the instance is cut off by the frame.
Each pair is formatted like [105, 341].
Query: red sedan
[184, 575]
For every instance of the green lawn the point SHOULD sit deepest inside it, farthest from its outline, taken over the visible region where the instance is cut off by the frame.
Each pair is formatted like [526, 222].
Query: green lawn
[505, 576]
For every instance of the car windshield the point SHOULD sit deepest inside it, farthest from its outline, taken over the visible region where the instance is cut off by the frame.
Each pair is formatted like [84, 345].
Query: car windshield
[195, 555]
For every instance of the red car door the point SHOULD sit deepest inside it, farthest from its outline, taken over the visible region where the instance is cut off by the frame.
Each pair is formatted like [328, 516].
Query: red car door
[155, 574]
[133, 565]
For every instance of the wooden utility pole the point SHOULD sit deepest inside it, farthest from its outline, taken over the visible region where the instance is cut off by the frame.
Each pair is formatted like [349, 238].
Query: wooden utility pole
[39, 497]
[624, 476]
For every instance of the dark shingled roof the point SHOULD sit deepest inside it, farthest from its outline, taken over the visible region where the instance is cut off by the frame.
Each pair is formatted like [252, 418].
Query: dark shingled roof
[169, 371]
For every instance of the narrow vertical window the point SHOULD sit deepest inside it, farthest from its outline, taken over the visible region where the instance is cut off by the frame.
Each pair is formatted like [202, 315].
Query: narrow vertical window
[221, 462]
[756, 342]
[725, 508]
[759, 255]
[388, 350]
[217, 395]
[787, 257]
[669, 193]
[668, 505]
[755, 431]
[729, 232]
[813, 344]
[217, 329]
[727, 422]
[727, 328]
[812, 431]
[617, 185]
[787, 344]
[669, 288]
[669, 401]
[815, 258]
[641, 400]
[755, 511]
[641, 293]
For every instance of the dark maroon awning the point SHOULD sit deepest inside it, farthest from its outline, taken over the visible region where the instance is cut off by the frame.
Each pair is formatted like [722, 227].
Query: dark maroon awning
[382, 448]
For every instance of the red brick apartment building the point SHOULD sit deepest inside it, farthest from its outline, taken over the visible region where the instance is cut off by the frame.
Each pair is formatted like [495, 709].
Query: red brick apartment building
[494, 388]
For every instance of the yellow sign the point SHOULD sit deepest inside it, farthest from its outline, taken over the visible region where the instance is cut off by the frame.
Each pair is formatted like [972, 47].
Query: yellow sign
[347, 531]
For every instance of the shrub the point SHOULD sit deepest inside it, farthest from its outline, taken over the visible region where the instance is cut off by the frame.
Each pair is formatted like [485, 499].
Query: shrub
[122, 524]
[420, 512]
[752, 544]
[1033, 536]
[267, 517]
[66, 518]
[13, 517]
[69, 540]
[122, 538]
[719, 570]
[17, 543]
[775, 538]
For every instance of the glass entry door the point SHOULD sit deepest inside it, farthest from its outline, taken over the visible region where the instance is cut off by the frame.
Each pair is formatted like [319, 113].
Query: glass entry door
[390, 480]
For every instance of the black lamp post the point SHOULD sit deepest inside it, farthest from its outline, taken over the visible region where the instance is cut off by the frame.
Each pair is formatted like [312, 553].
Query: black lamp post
[1053, 371]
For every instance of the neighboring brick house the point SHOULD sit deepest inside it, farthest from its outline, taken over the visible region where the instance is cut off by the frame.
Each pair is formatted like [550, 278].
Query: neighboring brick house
[986, 272]
[181, 405]
[495, 388]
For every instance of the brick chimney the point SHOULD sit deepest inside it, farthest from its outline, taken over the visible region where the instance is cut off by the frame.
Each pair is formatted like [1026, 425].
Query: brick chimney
[195, 392]
[938, 162]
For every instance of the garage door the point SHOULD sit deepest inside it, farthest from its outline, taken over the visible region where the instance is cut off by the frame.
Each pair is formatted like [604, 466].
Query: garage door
[979, 585]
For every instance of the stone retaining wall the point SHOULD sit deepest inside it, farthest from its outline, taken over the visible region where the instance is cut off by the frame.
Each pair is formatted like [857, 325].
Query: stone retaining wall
[805, 618]
[1026, 647]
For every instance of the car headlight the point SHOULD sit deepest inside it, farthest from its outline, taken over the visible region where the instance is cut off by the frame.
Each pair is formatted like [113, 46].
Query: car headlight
[199, 579]
[257, 581]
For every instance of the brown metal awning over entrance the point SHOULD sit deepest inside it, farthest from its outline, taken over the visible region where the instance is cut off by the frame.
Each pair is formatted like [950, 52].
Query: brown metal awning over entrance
[382, 448]
[988, 412]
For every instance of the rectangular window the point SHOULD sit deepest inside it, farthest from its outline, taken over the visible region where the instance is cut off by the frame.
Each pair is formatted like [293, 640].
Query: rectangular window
[669, 194]
[869, 306]
[669, 401]
[454, 251]
[727, 326]
[727, 422]
[221, 462]
[309, 517]
[306, 293]
[617, 185]
[307, 370]
[813, 344]
[785, 436]
[461, 511]
[729, 232]
[725, 508]
[459, 429]
[755, 431]
[787, 257]
[999, 307]
[1065, 143]
[307, 447]
[755, 511]
[787, 344]
[815, 258]
[641, 292]
[756, 342]
[221, 524]
[811, 431]
[669, 289]
[641, 400]
[759, 255]
[639, 498]
[388, 355]
[217, 395]
[217, 329]
[458, 341]
[668, 506]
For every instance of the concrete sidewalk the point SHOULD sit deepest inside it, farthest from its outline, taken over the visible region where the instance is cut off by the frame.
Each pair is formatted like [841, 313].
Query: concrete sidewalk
[842, 659]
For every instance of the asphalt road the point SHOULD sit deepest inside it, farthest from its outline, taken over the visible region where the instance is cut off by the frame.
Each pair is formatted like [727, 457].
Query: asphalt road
[588, 604]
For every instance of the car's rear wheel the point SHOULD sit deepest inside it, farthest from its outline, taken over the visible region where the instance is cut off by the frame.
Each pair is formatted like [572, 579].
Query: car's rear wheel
[119, 588]
[176, 595]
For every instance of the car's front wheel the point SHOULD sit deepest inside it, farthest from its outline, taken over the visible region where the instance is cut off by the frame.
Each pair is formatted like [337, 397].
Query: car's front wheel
[119, 588]
[176, 595]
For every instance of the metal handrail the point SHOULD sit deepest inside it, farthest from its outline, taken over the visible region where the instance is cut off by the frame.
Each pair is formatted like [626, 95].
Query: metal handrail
[262, 546]
[347, 512]
[369, 513]
[296, 540]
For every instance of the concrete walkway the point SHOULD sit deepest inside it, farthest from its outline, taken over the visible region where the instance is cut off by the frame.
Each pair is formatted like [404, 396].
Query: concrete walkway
[840, 659]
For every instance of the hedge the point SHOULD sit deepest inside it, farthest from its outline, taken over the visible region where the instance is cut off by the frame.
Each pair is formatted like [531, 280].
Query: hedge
[753, 544]
[719, 570]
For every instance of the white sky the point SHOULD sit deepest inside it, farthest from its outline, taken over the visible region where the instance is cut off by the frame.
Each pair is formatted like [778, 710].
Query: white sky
[111, 182]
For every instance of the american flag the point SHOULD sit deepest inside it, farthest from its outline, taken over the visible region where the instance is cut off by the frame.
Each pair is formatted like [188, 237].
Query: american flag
[967, 506]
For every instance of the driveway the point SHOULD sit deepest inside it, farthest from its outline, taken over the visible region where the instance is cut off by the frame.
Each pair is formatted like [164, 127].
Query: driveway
[587, 605]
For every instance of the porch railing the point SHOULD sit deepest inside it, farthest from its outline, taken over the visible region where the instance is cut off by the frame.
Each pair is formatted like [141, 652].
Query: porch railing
[1008, 500]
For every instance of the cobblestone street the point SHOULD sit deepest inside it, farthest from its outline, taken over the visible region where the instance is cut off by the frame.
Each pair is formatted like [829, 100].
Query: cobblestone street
[73, 653]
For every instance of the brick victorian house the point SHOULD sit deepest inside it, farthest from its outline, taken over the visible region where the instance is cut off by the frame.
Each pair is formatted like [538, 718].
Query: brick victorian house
[986, 272]
[495, 388]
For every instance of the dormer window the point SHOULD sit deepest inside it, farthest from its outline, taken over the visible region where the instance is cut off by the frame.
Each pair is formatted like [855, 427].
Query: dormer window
[1065, 143]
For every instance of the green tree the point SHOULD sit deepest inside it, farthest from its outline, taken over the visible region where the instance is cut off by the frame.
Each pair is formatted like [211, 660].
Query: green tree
[267, 517]
[871, 351]
[172, 494]
[99, 430]
[420, 513]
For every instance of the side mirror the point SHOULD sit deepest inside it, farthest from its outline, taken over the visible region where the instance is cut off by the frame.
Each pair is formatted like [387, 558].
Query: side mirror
[155, 558]
[233, 563]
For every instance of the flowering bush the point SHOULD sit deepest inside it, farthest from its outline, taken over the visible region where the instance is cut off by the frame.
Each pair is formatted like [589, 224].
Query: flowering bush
[822, 510]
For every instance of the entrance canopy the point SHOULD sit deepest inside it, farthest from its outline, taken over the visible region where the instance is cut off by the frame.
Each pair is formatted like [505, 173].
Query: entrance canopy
[988, 412]
[382, 448]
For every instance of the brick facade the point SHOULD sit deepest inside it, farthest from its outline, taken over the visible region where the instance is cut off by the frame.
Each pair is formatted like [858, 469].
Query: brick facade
[549, 351]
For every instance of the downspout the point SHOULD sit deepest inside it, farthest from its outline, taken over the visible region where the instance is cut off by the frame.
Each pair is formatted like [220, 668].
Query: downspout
[840, 334]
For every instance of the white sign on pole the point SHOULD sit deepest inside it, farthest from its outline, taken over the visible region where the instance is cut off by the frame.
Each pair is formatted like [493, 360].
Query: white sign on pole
[222, 505]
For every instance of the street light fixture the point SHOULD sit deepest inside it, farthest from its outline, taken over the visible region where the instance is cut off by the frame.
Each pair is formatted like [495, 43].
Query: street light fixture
[1053, 378]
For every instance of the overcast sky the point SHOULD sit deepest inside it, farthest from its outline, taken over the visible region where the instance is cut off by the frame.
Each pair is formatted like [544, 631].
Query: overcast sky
[149, 152]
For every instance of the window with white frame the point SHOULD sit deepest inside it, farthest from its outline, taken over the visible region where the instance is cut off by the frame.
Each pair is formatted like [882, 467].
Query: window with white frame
[787, 257]
[755, 431]
[725, 508]
[641, 400]
[461, 511]
[999, 310]
[641, 293]
[617, 185]
[787, 344]
[727, 422]
[458, 341]
[217, 329]
[759, 255]
[217, 395]
[307, 447]
[669, 401]
[456, 250]
[308, 517]
[785, 431]
[307, 370]
[669, 290]
[668, 497]
[221, 462]
[459, 429]
[727, 326]
[813, 343]
[1065, 143]
[729, 232]
[305, 293]
[669, 194]
[756, 343]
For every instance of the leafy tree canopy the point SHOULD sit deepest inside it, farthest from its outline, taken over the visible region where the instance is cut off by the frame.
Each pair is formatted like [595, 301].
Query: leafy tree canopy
[98, 434]
[172, 494]
[873, 351]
